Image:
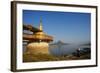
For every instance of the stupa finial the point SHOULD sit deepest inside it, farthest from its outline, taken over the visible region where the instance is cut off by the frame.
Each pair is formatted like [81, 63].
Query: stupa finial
[40, 26]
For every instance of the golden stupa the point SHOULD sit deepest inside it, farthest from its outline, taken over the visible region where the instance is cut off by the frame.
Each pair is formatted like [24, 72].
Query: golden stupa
[38, 42]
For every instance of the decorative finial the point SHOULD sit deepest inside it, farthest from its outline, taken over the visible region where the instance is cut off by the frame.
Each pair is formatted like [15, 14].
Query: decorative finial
[40, 26]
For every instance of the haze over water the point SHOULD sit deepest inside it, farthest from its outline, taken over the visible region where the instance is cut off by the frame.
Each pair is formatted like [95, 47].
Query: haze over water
[65, 50]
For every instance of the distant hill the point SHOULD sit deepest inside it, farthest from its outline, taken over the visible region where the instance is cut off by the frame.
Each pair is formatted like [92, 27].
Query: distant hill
[60, 43]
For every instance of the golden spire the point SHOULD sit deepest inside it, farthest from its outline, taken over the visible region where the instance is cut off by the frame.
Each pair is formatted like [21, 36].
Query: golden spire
[40, 26]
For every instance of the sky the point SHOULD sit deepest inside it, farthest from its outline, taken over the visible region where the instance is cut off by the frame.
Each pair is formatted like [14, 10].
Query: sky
[69, 27]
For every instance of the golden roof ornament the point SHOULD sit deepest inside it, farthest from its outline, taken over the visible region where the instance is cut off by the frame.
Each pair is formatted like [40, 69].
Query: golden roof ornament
[40, 25]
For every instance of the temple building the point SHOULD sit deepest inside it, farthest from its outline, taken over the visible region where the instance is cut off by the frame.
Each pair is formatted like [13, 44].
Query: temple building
[38, 41]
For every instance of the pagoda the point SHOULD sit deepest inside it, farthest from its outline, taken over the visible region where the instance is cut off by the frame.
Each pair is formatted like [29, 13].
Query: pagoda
[38, 42]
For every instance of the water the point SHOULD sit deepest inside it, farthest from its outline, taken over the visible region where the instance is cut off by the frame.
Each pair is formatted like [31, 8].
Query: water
[65, 50]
